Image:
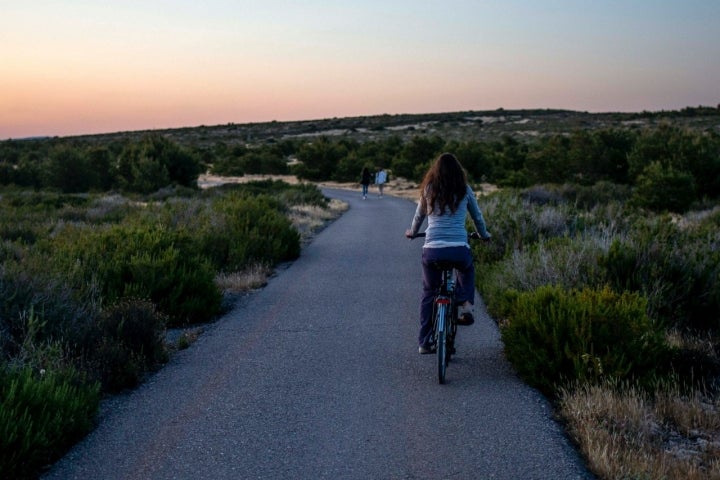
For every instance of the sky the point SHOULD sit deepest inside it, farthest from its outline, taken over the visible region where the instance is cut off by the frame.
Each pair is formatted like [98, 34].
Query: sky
[74, 67]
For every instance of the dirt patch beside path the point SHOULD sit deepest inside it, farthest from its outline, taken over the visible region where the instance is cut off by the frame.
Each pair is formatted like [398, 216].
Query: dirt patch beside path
[397, 187]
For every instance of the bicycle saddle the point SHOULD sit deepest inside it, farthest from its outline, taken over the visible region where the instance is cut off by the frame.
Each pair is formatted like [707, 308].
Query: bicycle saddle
[442, 264]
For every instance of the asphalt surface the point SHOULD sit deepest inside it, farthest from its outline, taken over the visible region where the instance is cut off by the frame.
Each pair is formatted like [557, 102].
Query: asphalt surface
[317, 376]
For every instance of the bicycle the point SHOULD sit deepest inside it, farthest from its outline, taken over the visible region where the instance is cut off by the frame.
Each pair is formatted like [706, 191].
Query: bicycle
[445, 312]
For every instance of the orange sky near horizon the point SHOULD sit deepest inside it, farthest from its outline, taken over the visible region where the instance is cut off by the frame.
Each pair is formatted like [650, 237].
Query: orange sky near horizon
[72, 68]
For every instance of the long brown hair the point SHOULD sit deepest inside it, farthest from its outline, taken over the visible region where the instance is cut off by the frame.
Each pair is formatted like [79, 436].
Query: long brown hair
[444, 185]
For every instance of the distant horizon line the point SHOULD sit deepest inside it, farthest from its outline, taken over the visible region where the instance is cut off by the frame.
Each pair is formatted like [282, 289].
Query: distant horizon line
[485, 111]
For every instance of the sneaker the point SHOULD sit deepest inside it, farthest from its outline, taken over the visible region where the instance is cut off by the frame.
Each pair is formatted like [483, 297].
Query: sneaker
[465, 316]
[426, 349]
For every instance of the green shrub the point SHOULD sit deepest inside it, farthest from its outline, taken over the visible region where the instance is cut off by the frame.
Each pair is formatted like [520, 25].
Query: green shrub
[661, 188]
[109, 209]
[566, 262]
[519, 219]
[19, 231]
[675, 269]
[41, 416]
[141, 261]
[319, 158]
[241, 231]
[127, 340]
[282, 193]
[600, 193]
[509, 222]
[554, 336]
[155, 162]
[69, 170]
[303, 194]
[29, 216]
[37, 309]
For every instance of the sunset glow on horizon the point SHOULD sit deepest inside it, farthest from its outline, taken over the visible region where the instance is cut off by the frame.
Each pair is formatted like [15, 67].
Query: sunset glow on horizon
[77, 67]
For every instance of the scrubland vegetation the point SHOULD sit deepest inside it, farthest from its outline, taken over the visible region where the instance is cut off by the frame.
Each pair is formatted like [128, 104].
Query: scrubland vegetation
[89, 284]
[603, 273]
[613, 311]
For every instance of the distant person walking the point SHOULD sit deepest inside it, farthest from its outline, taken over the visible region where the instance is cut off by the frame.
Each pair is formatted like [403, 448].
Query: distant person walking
[365, 179]
[380, 179]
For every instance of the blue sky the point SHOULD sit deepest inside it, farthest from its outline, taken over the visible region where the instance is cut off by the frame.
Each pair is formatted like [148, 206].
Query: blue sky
[77, 66]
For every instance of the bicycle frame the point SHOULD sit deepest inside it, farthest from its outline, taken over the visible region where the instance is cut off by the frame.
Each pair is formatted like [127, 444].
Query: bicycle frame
[445, 326]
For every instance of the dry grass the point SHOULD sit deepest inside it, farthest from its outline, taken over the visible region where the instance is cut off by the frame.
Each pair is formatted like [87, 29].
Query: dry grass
[208, 181]
[626, 433]
[548, 265]
[308, 219]
[255, 276]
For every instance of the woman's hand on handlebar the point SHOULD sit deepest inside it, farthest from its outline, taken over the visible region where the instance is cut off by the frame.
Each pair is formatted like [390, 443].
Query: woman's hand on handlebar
[409, 234]
[476, 236]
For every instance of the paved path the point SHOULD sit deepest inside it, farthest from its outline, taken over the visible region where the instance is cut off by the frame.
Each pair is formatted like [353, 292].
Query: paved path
[317, 376]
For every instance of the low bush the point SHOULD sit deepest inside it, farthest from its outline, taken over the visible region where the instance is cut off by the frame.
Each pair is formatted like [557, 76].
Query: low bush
[41, 416]
[150, 262]
[553, 336]
[566, 262]
[673, 261]
[517, 220]
[37, 309]
[237, 231]
[127, 340]
[284, 193]
[663, 188]
[588, 197]
[303, 194]
[676, 269]
[26, 217]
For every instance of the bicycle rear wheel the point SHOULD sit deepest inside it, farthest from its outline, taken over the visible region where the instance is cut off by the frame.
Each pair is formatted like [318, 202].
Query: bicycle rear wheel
[441, 341]
[451, 328]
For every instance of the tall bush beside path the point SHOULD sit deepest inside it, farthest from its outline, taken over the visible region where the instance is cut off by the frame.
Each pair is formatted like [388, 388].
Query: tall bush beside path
[142, 261]
[553, 336]
[676, 266]
[244, 230]
[233, 229]
[566, 262]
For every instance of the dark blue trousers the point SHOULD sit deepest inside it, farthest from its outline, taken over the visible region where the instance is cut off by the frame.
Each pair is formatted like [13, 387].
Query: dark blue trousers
[432, 278]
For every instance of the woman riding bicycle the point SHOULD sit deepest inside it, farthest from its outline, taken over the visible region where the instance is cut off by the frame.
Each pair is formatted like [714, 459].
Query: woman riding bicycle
[446, 199]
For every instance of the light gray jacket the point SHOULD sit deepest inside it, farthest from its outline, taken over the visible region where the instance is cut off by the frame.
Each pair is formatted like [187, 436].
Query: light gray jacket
[448, 229]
